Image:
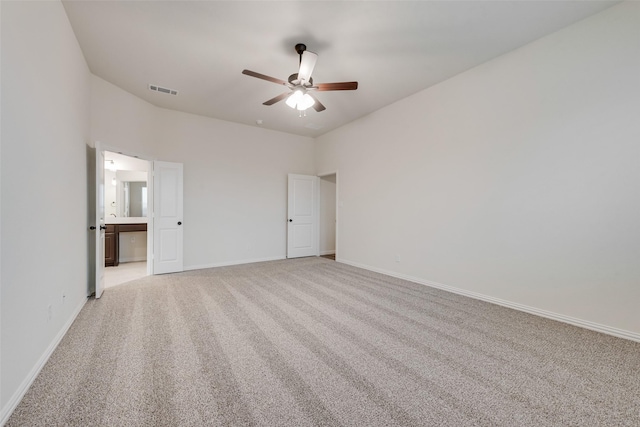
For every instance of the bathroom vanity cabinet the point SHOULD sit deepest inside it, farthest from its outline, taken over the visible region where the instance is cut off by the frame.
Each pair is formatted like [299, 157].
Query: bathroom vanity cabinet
[110, 246]
[112, 241]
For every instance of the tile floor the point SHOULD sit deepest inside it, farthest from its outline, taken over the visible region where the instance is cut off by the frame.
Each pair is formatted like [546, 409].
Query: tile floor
[124, 272]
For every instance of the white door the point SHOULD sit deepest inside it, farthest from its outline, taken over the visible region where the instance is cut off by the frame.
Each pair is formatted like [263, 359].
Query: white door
[167, 217]
[302, 230]
[100, 226]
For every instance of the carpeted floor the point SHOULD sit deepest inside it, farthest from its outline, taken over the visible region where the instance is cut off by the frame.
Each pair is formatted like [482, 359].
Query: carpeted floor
[315, 342]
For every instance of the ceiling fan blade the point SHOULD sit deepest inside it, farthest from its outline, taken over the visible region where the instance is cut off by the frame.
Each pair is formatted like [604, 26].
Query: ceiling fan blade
[336, 86]
[263, 77]
[276, 99]
[317, 105]
[307, 64]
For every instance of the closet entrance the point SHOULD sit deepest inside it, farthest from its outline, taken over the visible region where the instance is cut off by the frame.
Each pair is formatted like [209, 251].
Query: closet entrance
[328, 215]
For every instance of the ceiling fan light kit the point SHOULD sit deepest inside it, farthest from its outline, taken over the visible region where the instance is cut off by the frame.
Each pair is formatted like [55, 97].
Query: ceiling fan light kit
[301, 83]
[300, 100]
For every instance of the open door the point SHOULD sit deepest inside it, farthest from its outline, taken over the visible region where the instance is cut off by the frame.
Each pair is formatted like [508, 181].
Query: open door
[100, 226]
[167, 217]
[302, 229]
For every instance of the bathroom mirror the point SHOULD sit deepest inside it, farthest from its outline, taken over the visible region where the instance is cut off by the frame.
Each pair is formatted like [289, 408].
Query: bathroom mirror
[125, 194]
[134, 199]
[125, 187]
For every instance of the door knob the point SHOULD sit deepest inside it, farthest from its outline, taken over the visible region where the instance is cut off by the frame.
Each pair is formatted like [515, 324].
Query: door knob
[179, 222]
[290, 220]
[93, 227]
[103, 227]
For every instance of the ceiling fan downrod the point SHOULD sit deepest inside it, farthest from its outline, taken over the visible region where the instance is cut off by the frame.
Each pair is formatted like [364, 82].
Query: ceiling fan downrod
[300, 48]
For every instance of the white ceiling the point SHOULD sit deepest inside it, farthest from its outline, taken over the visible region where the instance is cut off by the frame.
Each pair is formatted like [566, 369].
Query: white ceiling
[392, 48]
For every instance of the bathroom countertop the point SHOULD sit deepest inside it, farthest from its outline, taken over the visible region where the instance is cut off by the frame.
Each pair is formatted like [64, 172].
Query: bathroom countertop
[125, 220]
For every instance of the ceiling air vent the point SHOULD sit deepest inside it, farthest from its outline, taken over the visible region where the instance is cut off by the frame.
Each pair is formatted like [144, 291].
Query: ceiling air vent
[161, 89]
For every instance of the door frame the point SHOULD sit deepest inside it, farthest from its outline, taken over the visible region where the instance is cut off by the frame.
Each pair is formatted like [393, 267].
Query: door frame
[320, 175]
[99, 221]
[149, 160]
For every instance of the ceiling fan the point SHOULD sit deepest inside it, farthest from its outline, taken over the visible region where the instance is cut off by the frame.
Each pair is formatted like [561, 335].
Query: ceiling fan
[301, 84]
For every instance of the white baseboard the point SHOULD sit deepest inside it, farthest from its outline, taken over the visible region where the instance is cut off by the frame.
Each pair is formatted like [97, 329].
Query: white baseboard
[620, 333]
[333, 252]
[134, 259]
[22, 390]
[228, 263]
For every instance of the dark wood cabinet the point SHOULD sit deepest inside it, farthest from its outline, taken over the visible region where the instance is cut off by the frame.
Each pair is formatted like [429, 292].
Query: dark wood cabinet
[112, 241]
[111, 246]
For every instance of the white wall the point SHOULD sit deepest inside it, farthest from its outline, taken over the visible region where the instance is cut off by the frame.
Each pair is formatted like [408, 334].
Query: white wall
[518, 180]
[120, 120]
[110, 197]
[45, 128]
[328, 214]
[235, 186]
[235, 176]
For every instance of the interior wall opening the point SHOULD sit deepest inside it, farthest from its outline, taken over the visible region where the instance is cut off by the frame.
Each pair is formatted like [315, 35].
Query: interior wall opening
[127, 211]
[328, 216]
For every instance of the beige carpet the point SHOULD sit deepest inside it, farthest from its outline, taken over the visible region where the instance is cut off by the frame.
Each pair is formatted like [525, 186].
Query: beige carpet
[315, 342]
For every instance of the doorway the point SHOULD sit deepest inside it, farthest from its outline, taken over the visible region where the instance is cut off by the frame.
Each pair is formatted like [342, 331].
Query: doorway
[328, 215]
[127, 211]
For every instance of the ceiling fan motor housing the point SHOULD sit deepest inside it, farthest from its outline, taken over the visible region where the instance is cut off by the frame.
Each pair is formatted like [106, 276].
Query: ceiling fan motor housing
[293, 79]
